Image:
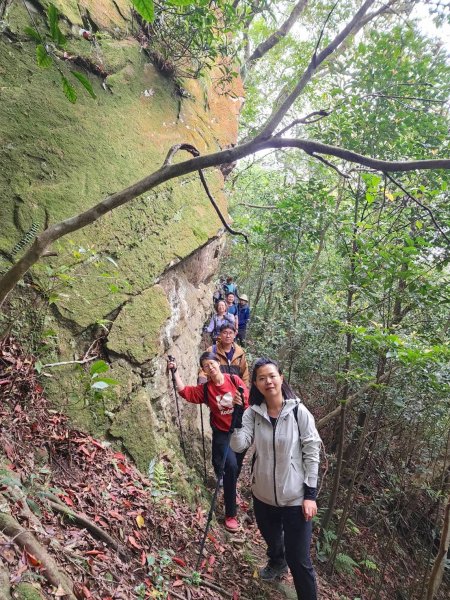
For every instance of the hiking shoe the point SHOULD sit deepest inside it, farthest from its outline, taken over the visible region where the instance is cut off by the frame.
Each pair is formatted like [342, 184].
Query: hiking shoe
[270, 573]
[231, 524]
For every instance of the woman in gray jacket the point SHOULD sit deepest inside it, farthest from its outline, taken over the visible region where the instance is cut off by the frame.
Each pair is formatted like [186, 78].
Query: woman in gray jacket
[284, 474]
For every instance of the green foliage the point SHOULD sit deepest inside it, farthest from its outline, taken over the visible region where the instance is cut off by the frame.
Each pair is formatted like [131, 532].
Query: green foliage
[157, 564]
[84, 82]
[44, 60]
[53, 23]
[190, 38]
[146, 8]
[46, 56]
[195, 578]
[345, 563]
[69, 91]
[324, 544]
[369, 564]
[159, 477]
[99, 382]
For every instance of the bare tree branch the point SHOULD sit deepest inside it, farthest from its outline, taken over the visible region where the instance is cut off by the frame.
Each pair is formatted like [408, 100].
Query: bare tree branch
[275, 38]
[327, 163]
[168, 172]
[363, 390]
[257, 206]
[308, 120]
[425, 208]
[193, 150]
[315, 62]
[284, 93]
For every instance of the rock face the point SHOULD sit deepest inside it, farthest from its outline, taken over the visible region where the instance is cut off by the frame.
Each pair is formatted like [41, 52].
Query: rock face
[139, 279]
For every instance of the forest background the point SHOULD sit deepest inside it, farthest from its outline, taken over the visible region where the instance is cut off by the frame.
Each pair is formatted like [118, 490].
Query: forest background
[347, 274]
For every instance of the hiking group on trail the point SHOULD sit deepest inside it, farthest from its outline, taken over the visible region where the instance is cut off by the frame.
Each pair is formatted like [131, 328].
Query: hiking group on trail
[272, 420]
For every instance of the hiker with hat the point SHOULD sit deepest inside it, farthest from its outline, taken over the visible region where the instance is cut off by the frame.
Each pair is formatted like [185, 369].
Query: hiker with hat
[220, 393]
[243, 315]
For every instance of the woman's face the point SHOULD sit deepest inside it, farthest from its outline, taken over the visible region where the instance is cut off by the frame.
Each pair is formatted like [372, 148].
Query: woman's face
[211, 368]
[268, 381]
[221, 307]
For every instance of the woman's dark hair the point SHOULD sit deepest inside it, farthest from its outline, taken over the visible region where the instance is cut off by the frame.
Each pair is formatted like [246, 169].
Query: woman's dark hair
[255, 396]
[208, 356]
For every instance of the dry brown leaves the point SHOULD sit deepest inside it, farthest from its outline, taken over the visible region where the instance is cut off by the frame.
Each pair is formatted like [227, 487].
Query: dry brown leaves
[91, 478]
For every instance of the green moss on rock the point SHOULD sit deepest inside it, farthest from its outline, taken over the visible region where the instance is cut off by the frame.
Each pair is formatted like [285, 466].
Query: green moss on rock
[27, 591]
[136, 425]
[136, 332]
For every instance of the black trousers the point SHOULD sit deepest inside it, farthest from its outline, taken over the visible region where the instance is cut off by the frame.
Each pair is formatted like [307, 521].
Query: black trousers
[288, 538]
[233, 464]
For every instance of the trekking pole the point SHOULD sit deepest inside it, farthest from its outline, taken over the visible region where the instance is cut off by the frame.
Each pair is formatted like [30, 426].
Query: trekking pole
[203, 442]
[219, 477]
[172, 371]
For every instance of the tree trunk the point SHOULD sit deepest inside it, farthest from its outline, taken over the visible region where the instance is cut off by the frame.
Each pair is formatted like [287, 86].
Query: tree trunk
[437, 571]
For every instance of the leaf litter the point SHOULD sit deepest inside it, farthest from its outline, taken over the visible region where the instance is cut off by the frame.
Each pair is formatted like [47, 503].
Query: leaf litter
[156, 541]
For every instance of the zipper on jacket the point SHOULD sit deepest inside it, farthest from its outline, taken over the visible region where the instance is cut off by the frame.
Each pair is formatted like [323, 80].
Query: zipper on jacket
[275, 454]
[274, 464]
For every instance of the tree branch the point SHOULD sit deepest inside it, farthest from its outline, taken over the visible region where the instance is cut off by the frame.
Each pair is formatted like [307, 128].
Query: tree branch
[193, 150]
[357, 27]
[86, 523]
[425, 208]
[315, 62]
[365, 388]
[257, 206]
[308, 120]
[26, 540]
[275, 38]
[171, 171]
[327, 163]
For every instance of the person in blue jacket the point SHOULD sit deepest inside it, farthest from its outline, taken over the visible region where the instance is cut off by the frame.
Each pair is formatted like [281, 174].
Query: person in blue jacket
[243, 314]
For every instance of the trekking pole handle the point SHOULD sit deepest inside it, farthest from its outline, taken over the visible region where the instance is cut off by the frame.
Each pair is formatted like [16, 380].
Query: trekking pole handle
[171, 359]
[238, 409]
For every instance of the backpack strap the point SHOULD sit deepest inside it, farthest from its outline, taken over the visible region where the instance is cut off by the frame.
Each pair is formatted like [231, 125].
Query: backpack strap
[205, 394]
[233, 379]
[295, 411]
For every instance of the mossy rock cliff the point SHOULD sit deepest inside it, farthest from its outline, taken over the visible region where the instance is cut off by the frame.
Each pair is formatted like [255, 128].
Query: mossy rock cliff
[59, 159]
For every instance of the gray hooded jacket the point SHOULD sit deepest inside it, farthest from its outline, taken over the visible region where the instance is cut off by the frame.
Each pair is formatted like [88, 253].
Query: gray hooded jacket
[286, 456]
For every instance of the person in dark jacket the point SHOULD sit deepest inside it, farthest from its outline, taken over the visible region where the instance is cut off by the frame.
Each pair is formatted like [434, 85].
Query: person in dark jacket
[284, 476]
[243, 314]
[221, 395]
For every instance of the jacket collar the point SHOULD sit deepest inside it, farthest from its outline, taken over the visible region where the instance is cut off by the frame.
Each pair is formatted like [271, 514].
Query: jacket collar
[288, 407]
[238, 351]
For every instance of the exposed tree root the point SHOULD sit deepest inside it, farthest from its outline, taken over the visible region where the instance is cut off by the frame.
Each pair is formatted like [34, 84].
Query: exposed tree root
[25, 539]
[4, 582]
[82, 520]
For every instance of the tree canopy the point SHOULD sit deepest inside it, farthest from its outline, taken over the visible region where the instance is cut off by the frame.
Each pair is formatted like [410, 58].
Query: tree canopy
[319, 60]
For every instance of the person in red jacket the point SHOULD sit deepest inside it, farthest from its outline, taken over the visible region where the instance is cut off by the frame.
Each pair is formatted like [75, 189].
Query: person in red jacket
[221, 394]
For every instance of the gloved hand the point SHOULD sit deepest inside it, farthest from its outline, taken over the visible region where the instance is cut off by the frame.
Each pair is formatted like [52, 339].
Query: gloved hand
[237, 416]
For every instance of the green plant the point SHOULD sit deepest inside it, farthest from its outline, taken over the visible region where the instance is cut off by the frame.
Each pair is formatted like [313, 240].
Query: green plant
[157, 474]
[345, 563]
[195, 578]
[324, 544]
[369, 564]
[48, 52]
[157, 565]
